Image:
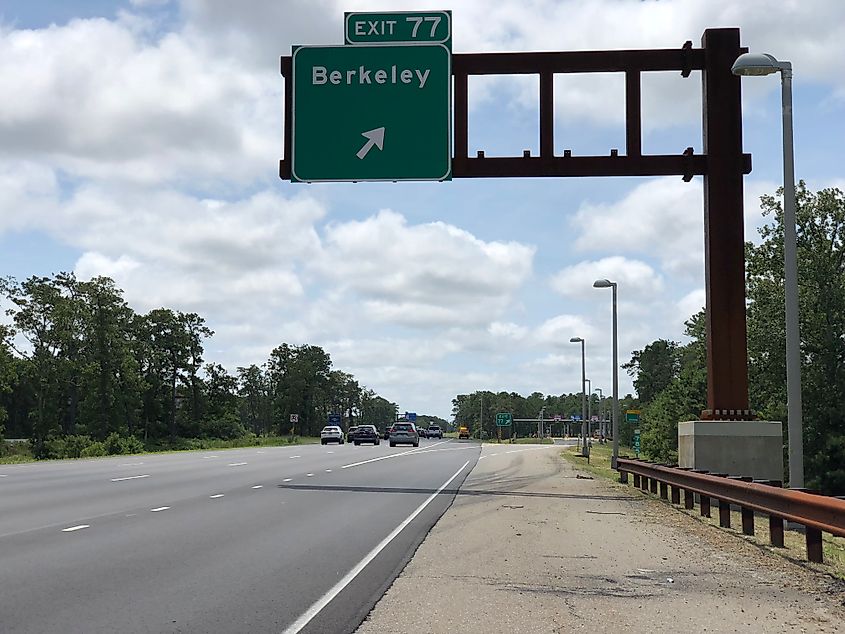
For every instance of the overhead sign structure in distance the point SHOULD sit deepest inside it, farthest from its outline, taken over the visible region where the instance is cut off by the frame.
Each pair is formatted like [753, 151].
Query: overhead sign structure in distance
[371, 113]
[503, 419]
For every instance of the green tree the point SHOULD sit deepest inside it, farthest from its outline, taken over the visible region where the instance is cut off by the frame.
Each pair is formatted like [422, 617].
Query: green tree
[654, 368]
[821, 271]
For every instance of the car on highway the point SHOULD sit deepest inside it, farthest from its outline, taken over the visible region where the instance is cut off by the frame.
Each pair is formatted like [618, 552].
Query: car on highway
[463, 432]
[404, 434]
[366, 433]
[385, 433]
[422, 432]
[350, 434]
[434, 431]
[331, 433]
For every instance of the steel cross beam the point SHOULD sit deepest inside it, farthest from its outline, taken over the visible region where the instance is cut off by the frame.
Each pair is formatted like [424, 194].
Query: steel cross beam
[722, 165]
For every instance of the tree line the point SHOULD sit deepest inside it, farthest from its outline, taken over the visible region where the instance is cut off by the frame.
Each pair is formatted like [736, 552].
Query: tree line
[671, 379]
[481, 407]
[77, 362]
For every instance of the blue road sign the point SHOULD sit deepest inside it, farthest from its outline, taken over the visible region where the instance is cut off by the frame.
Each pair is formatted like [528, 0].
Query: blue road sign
[334, 419]
[576, 417]
[411, 417]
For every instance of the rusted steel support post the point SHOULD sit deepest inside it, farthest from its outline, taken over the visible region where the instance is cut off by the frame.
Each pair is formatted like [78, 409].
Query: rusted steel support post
[623, 477]
[461, 115]
[776, 531]
[814, 545]
[664, 491]
[724, 514]
[637, 480]
[676, 495]
[747, 521]
[633, 114]
[724, 242]
[705, 506]
[653, 486]
[547, 109]
[689, 499]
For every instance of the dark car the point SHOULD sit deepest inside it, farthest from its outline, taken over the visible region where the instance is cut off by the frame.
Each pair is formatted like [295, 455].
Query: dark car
[434, 431]
[350, 434]
[366, 433]
[385, 434]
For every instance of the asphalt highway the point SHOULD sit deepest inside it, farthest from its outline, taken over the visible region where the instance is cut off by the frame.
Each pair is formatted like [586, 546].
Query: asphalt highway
[275, 539]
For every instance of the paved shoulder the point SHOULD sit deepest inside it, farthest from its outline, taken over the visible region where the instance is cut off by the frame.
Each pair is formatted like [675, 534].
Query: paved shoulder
[529, 547]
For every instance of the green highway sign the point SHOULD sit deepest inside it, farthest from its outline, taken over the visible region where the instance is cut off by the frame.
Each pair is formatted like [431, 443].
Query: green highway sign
[504, 419]
[632, 416]
[636, 442]
[371, 113]
[412, 27]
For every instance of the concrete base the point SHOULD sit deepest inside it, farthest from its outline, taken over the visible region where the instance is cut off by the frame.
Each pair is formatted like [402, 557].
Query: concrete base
[741, 448]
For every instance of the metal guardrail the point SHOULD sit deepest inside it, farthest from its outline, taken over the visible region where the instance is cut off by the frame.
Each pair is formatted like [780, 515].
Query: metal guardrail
[817, 513]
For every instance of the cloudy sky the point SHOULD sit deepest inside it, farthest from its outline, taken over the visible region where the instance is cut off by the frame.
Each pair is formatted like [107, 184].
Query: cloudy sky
[140, 139]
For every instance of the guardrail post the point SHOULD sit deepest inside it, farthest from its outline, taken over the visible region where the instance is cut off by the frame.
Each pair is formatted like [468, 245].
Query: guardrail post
[815, 552]
[637, 480]
[664, 491]
[623, 477]
[776, 531]
[653, 485]
[644, 483]
[747, 521]
[676, 495]
[689, 499]
[705, 506]
[724, 514]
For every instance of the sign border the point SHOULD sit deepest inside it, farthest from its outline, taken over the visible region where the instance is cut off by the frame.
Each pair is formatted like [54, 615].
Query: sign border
[296, 49]
[349, 14]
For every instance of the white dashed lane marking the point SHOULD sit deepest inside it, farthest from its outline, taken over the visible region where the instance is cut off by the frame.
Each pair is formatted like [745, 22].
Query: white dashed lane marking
[287, 479]
[328, 470]
[71, 529]
[137, 477]
[296, 456]
[218, 495]
[160, 508]
[131, 464]
[310, 475]
[258, 486]
[236, 464]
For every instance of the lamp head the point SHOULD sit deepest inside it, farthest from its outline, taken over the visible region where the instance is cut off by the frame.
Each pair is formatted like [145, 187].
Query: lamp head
[576, 340]
[603, 283]
[757, 64]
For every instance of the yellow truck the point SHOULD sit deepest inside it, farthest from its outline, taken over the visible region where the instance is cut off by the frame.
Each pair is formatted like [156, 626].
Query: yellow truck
[463, 432]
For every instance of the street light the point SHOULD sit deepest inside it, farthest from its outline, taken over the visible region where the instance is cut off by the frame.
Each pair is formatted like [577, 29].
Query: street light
[615, 424]
[589, 405]
[753, 64]
[602, 429]
[583, 394]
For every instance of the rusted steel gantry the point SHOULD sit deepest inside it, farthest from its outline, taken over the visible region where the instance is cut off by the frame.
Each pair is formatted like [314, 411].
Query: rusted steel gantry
[722, 165]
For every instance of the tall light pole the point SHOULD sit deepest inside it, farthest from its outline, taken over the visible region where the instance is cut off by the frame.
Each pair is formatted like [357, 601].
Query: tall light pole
[615, 424]
[601, 411]
[589, 406]
[583, 394]
[765, 64]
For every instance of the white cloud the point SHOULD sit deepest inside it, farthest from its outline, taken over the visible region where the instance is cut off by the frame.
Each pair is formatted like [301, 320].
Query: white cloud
[432, 273]
[637, 278]
[663, 218]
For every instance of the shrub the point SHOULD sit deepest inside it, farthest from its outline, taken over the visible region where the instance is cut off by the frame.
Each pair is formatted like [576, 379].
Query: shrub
[93, 450]
[226, 427]
[132, 445]
[113, 444]
[75, 445]
[53, 448]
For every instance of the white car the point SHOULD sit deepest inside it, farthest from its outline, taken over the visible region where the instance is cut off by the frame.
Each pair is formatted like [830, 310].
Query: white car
[331, 433]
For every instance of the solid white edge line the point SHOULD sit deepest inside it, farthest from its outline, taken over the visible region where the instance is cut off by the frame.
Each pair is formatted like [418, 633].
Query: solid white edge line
[70, 529]
[336, 589]
[130, 478]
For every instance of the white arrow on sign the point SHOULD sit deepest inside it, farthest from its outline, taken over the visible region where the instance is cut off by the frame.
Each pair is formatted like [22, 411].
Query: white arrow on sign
[374, 137]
